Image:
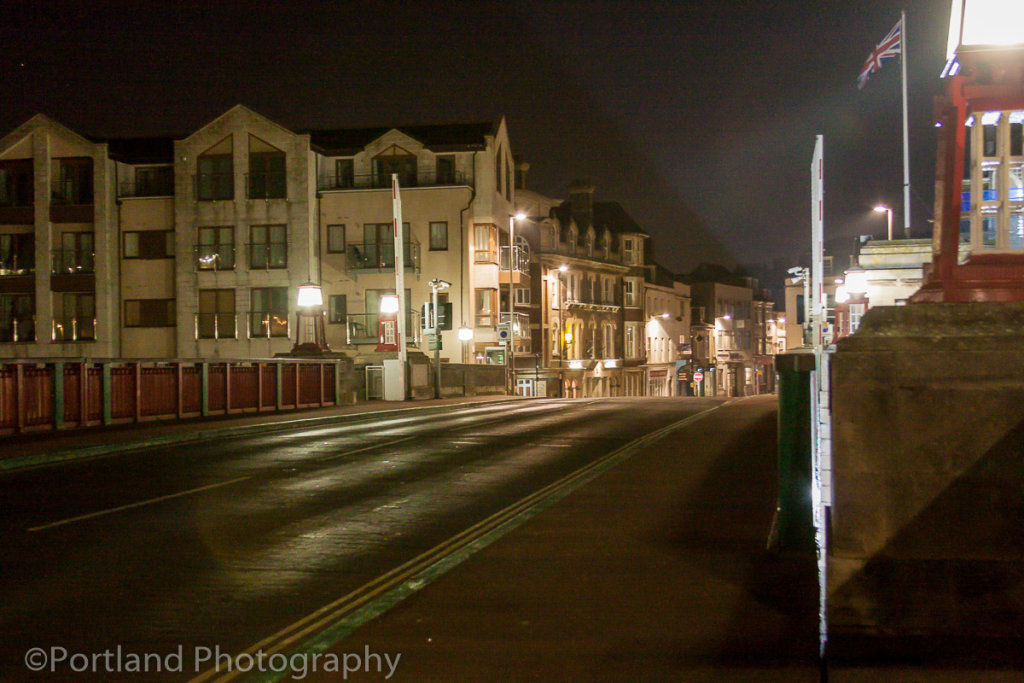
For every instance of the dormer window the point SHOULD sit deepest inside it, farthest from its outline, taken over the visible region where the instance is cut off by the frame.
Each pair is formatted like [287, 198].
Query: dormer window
[628, 250]
[590, 244]
[395, 160]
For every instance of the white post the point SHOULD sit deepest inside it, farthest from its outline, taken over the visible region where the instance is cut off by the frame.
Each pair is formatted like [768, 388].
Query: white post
[396, 202]
[906, 147]
[818, 303]
[511, 356]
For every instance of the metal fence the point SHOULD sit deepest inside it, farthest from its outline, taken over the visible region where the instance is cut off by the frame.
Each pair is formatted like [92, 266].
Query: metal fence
[41, 395]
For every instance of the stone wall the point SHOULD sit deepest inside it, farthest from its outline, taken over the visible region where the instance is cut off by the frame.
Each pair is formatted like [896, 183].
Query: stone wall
[927, 525]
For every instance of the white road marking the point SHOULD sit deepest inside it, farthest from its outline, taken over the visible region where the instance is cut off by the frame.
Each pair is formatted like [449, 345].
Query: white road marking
[141, 503]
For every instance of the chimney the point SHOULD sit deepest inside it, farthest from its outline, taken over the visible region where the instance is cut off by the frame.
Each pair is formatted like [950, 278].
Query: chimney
[581, 201]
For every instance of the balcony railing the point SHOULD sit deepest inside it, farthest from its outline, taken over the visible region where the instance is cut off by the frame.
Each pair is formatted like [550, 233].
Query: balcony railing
[157, 187]
[372, 181]
[216, 326]
[15, 265]
[19, 329]
[268, 255]
[73, 329]
[271, 185]
[214, 186]
[584, 300]
[364, 328]
[215, 256]
[519, 260]
[73, 261]
[269, 324]
[381, 256]
[520, 325]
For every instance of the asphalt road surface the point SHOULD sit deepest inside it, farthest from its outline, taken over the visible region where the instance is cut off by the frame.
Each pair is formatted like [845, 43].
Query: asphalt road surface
[221, 543]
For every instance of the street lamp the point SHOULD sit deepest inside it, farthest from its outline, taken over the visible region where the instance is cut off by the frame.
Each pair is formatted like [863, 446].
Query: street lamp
[883, 208]
[310, 320]
[434, 326]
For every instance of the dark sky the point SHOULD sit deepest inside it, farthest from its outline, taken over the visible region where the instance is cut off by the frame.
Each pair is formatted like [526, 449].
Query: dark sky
[699, 117]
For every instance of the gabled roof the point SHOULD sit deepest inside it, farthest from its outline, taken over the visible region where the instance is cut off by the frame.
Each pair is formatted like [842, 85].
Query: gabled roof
[142, 150]
[451, 137]
[609, 215]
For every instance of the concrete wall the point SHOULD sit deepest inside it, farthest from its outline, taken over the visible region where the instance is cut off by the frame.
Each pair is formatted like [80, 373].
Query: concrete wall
[928, 463]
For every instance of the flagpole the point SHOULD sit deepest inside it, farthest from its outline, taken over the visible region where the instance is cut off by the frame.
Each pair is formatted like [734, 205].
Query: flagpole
[906, 145]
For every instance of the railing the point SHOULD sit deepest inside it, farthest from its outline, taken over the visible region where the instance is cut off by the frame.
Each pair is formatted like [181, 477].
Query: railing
[72, 261]
[214, 256]
[268, 185]
[214, 186]
[520, 259]
[73, 329]
[157, 187]
[364, 328]
[372, 181]
[12, 265]
[71, 192]
[588, 300]
[21, 329]
[54, 394]
[520, 325]
[381, 255]
[268, 324]
[216, 326]
[268, 255]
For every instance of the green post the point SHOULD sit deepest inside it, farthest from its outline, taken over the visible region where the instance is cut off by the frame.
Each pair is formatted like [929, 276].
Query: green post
[794, 521]
[58, 395]
[107, 411]
[204, 389]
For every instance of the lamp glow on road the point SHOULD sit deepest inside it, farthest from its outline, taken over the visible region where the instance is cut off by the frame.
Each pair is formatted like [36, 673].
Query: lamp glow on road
[389, 304]
[310, 295]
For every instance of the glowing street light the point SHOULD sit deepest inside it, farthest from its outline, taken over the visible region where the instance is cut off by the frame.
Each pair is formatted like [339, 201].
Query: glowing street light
[883, 208]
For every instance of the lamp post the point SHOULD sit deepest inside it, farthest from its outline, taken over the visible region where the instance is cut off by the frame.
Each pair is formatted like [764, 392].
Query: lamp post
[465, 336]
[510, 357]
[310, 302]
[435, 326]
[880, 208]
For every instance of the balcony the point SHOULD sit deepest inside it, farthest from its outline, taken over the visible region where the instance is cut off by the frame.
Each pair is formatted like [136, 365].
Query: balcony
[214, 186]
[216, 325]
[158, 186]
[268, 255]
[377, 181]
[214, 256]
[363, 328]
[269, 324]
[18, 329]
[380, 256]
[73, 329]
[269, 185]
[71, 192]
[73, 262]
[16, 264]
[589, 302]
[513, 264]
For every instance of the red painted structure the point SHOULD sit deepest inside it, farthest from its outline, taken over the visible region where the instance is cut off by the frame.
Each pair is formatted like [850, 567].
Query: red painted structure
[41, 395]
[988, 80]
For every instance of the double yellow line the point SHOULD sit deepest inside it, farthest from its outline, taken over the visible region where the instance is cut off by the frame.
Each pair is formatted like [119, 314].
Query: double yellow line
[422, 569]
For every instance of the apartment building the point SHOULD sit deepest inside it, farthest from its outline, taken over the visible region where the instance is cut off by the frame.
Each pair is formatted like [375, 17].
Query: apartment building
[667, 333]
[727, 300]
[196, 246]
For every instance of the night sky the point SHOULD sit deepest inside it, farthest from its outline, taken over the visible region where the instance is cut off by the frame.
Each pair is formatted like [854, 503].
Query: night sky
[699, 117]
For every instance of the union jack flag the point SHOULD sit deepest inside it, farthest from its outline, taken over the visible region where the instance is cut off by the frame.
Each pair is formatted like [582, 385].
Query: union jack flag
[890, 46]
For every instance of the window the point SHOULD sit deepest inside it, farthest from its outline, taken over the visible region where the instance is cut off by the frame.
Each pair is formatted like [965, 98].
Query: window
[522, 296]
[216, 317]
[17, 254]
[446, 169]
[147, 244]
[16, 183]
[395, 160]
[344, 173]
[632, 334]
[438, 236]
[335, 239]
[268, 312]
[628, 253]
[485, 238]
[629, 293]
[74, 184]
[76, 253]
[377, 250]
[154, 181]
[856, 313]
[215, 178]
[149, 313]
[337, 308]
[485, 307]
[74, 316]
[17, 317]
[268, 246]
[216, 250]
[267, 179]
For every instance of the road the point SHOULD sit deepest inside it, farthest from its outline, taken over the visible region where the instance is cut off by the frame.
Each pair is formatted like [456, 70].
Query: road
[225, 542]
